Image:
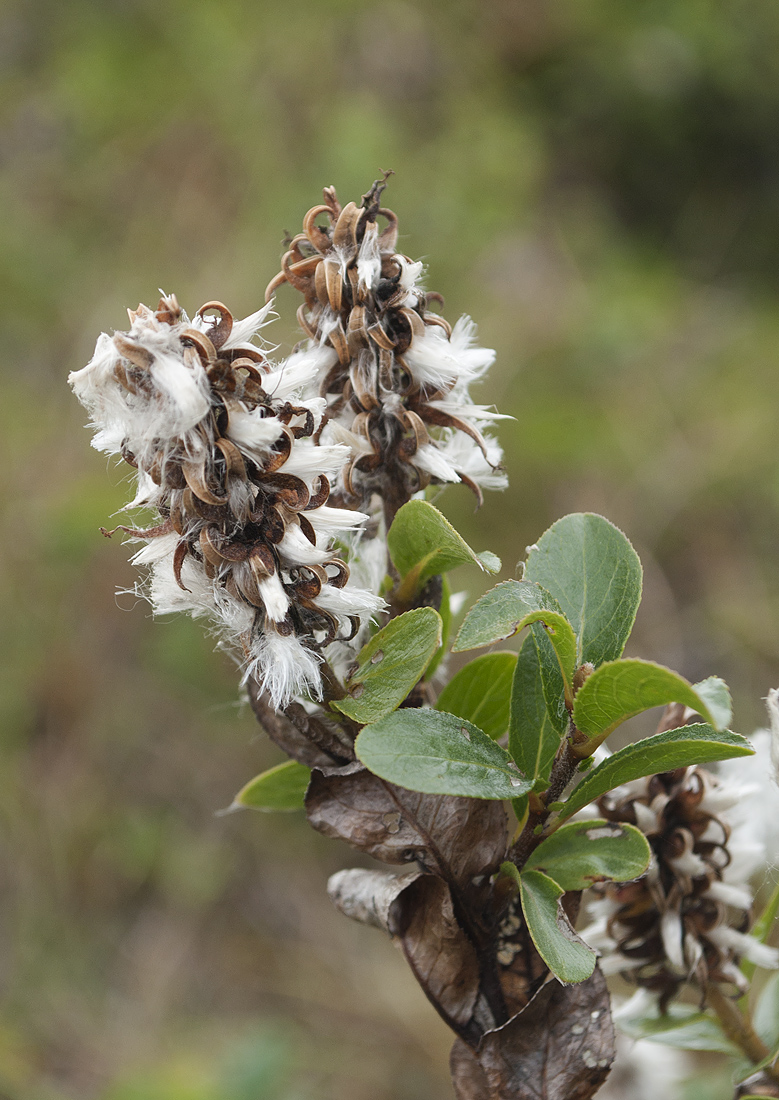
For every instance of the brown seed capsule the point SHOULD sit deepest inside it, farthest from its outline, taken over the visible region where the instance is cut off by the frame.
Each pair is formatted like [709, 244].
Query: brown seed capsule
[363, 302]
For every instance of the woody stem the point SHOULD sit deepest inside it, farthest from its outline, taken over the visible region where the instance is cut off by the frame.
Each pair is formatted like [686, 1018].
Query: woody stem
[738, 1028]
[563, 771]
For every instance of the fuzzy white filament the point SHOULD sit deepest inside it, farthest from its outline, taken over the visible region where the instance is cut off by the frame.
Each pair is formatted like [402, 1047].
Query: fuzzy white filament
[223, 446]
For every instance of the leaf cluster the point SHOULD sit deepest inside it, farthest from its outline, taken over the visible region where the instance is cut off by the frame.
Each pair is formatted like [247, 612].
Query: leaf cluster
[521, 726]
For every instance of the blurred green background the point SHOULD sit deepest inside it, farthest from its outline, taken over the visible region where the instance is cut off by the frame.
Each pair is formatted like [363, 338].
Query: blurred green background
[597, 183]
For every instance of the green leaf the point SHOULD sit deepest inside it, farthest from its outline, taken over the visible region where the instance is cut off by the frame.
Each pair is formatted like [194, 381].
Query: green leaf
[683, 1027]
[766, 1018]
[507, 609]
[618, 690]
[716, 695]
[663, 752]
[438, 753]
[593, 572]
[520, 807]
[765, 922]
[422, 542]
[584, 852]
[533, 740]
[760, 931]
[481, 692]
[566, 955]
[445, 611]
[558, 693]
[391, 663]
[489, 561]
[281, 788]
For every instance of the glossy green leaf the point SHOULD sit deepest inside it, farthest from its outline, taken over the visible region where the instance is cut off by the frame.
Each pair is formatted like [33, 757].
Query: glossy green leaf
[391, 663]
[481, 692]
[699, 744]
[683, 1027]
[618, 690]
[422, 542]
[585, 852]
[566, 955]
[507, 609]
[281, 788]
[558, 693]
[533, 739]
[438, 753]
[593, 572]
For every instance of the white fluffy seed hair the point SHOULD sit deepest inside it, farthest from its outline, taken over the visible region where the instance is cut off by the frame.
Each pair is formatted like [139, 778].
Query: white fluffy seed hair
[747, 797]
[284, 667]
[178, 394]
[437, 361]
[170, 411]
[368, 569]
[177, 403]
[455, 454]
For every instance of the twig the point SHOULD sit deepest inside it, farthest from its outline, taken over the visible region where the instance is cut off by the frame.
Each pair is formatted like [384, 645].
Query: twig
[739, 1029]
[563, 771]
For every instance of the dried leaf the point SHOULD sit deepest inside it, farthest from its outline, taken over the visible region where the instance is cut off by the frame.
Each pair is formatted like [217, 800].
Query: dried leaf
[283, 733]
[455, 838]
[560, 1047]
[367, 896]
[417, 910]
[442, 958]
[469, 1079]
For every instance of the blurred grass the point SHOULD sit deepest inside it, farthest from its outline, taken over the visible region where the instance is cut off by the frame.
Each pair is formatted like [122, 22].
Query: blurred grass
[597, 184]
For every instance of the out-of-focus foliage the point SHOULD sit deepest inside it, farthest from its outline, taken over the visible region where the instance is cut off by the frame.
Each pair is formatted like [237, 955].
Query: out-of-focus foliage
[596, 183]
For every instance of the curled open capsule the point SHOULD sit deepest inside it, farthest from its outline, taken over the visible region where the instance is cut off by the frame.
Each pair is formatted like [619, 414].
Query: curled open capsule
[218, 333]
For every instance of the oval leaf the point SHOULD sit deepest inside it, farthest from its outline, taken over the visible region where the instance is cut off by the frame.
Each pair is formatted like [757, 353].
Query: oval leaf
[565, 953]
[422, 542]
[389, 666]
[716, 695]
[481, 692]
[507, 609]
[438, 753]
[620, 689]
[533, 739]
[663, 752]
[593, 572]
[281, 789]
[584, 852]
[682, 1026]
[489, 562]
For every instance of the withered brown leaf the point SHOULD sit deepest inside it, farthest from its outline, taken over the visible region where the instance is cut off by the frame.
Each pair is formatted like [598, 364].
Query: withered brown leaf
[299, 735]
[442, 958]
[559, 1047]
[469, 1079]
[416, 910]
[367, 896]
[456, 838]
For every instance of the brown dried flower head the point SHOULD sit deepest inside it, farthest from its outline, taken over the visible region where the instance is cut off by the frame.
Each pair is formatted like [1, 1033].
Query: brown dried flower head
[226, 456]
[395, 374]
[687, 918]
